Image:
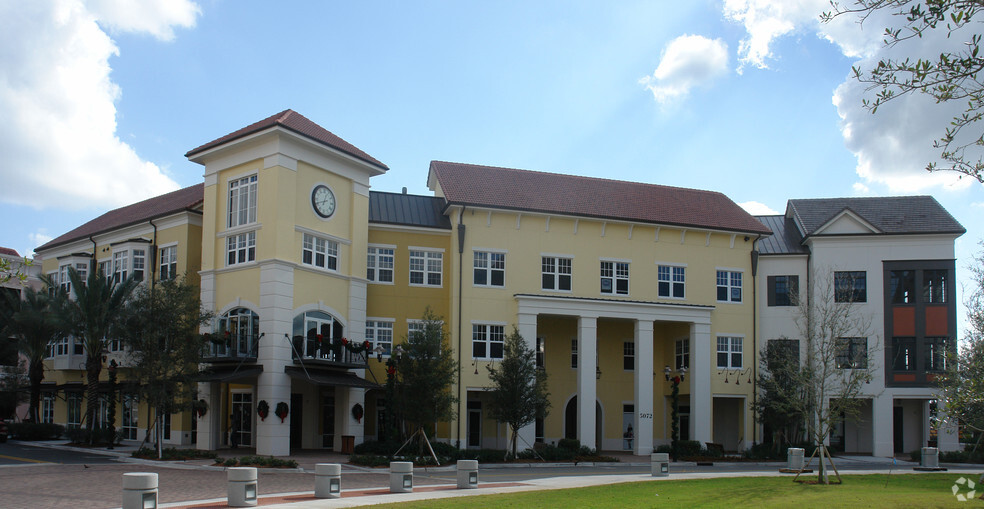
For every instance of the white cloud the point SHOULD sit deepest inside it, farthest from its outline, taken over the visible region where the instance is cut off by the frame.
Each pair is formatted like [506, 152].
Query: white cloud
[767, 20]
[59, 135]
[687, 62]
[860, 188]
[38, 239]
[758, 209]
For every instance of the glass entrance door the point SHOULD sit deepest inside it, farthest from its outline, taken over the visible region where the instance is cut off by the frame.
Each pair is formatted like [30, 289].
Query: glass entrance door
[241, 430]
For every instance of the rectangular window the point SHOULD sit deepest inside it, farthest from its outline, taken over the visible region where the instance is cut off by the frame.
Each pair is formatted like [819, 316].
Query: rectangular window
[319, 252]
[903, 354]
[851, 286]
[682, 353]
[380, 334]
[121, 266]
[628, 355]
[73, 402]
[139, 263]
[489, 268]
[415, 327]
[114, 345]
[934, 286]
[63, 280]
[556, 273]
[128, 425]
[488, 341]
[574, 353]
[48, 408]
[61, 346]
[242, 201]
[78, 348]
[426, 267]
[852, 353]
[729, 352]
[783, 290]
[106, 269]
[902, 285]
[379, 265]
[168, 263]
[241, 248]
[671, 281]
[539, 352]
[937, 350]
[615, 278]
[728, 286]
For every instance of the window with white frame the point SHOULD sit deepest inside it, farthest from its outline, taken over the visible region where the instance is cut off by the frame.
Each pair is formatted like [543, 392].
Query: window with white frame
[121, 265]
[128, 425]
[574, 353]
[379, 265]
[81, 267]
[628, 355]
[114, 345]
[415, 327]
[670, 281]
[488, 341]
[106, 268]
[168, 263]
[78, 347]
[61, 346]
[319, 252]
[242, 201]
[48, 408]
[729, 352]
[728, 286]
[489, 268]
[426, 267]
[682, 353]
[380, 333]
[73, 402]
[615, 278]
[139, 263]
[556, 273]
[241, 248]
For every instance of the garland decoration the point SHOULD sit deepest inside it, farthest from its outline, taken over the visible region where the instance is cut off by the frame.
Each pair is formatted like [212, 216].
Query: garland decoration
[358, 412]
[282, 411]
[263, 409]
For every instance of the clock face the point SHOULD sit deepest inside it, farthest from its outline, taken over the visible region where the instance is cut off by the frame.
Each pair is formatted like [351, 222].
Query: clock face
[323, 201]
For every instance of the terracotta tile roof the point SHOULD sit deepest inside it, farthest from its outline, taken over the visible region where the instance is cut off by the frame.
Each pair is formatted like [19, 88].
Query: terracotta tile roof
[890, 214]
[508, 188]
[294, 121]
[183, 199]
[6, 251]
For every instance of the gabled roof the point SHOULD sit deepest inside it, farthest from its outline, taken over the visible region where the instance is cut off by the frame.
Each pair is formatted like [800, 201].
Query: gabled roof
[508, 188]
[785, 238]
[189, 198]
[407, 210]
[889, 215]
[6, 251]
[297, 123]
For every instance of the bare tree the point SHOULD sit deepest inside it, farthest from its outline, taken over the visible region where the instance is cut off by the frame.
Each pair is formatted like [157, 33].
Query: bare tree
[838, 347]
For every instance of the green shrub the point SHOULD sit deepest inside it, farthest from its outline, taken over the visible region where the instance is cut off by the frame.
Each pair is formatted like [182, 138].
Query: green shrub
[916, 455]
[104, 436]
[369, 460]
[571, 444]
[35, 430]
[173, 454]
[259, 461]
[377, 448]
[964, 456]
[685, 448]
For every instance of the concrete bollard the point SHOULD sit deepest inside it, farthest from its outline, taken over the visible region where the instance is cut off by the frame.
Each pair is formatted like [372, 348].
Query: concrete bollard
[401, 477]
[139, 490]
[794, 458]
[467, 474]
[660, 464]
[930, 457]
[327, 480]
[242, 486]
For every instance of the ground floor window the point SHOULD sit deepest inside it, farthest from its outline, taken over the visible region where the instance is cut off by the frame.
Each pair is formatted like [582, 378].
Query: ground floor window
[241, 421]
[73, 401]
[128, 425]
[48, 408]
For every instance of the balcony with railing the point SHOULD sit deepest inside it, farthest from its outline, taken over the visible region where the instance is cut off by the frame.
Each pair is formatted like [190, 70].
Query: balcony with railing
[224, 347]
[327, 352]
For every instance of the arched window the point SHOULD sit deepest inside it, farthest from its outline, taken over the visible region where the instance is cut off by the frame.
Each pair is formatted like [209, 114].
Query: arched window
[238, 331]
[314, 332]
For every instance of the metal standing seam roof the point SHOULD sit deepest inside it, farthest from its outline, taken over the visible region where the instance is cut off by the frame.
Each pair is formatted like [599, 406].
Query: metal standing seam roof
[890, 215]
[188, 198]
[407, 210]
[785, 239]
[293, 121]
[516, 189]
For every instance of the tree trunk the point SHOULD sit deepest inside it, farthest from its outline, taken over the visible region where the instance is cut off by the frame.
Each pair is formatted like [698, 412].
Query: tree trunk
[93, 365]
[515, 438]
[35, 376]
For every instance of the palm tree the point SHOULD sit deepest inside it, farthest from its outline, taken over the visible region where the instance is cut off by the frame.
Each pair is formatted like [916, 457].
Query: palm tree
[92, 317]
[35, 327]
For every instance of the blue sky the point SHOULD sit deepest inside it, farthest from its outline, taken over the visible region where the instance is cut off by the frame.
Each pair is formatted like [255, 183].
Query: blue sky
[102, 98]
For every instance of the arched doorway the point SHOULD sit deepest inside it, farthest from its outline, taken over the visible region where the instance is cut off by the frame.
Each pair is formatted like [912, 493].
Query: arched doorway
[570, 421]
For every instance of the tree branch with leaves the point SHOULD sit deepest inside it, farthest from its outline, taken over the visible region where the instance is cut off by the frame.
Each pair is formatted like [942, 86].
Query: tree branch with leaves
[518, 392]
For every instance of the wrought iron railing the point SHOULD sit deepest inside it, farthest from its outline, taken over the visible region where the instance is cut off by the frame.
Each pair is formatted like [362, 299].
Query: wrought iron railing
[231, 346]
[326, 351]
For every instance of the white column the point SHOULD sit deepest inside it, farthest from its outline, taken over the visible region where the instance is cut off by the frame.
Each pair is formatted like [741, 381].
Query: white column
[274, 353]
[700, 382]
[947, 438]
[883, 426]
[644, 387]
[345, 399]
[587, 348]
[527, 328]
[209, 429]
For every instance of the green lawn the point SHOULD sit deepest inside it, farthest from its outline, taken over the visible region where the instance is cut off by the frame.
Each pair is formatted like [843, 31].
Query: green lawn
[859, 491]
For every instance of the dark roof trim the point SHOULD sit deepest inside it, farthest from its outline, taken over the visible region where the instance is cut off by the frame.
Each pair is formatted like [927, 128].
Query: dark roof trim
[120, 227]
[329, 378]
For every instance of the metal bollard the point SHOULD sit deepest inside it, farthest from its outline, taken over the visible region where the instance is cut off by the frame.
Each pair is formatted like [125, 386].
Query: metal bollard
[242, 486]
[794, 458]
[660, 464]
[930, 457]
[139, 490]
[401, 477]
[327, 480]
[467, 474]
